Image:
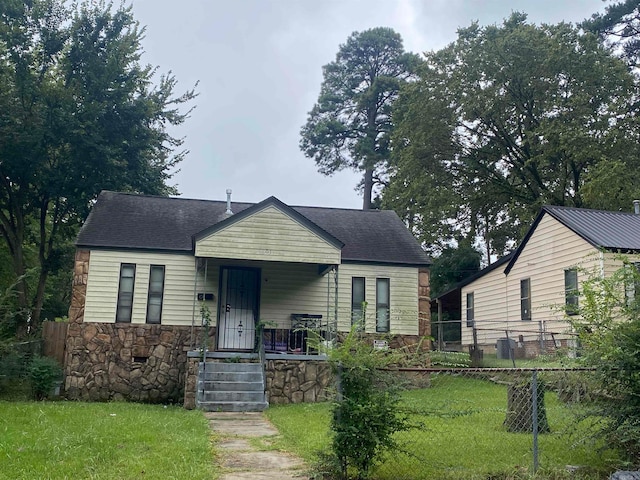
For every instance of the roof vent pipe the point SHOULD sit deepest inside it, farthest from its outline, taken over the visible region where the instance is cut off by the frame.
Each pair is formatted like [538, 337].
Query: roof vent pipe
[636, 207]
[229, 212]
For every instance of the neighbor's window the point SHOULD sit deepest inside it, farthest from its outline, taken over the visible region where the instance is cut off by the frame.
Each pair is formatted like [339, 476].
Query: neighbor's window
[156, 289]
[357, 300]
[382, 304]
[125, 292]
[525, 299]
[632, 282]
[470, 316]
[571, 291]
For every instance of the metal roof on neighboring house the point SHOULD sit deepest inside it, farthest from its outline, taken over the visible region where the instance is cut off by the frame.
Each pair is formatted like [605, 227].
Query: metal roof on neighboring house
[605, 230]
[130, 221]
[602, 229]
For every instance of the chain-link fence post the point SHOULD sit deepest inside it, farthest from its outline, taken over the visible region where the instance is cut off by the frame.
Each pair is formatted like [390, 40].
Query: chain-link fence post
[534, 414]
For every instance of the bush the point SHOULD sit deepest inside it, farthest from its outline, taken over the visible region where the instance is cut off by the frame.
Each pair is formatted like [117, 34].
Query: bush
[609, 329]
[366, 414]
[43, 373]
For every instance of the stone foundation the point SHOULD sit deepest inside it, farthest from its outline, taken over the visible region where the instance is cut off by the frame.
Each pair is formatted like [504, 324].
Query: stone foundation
[144, 363]
[297, 381]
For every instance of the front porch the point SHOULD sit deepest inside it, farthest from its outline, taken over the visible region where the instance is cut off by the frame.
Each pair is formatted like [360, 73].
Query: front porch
[275, 307]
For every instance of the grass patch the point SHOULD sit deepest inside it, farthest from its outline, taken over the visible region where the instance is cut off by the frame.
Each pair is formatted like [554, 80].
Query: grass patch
[304, 428]
[556, 361]
[106, 441]
[462, 436]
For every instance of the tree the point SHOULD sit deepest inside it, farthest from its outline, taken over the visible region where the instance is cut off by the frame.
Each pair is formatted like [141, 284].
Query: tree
[504, 120]
[78, 114]
[350, 125]
[452, 266]
[619, 27]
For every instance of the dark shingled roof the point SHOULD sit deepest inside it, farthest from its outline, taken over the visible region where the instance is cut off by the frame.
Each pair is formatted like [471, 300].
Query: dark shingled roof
[122, 220]
[605, 230]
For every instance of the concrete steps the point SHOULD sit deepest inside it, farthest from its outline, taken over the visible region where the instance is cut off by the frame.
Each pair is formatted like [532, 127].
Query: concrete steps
[230, 387]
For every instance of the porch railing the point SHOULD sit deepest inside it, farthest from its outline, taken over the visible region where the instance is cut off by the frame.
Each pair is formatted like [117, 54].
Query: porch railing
[301, 338]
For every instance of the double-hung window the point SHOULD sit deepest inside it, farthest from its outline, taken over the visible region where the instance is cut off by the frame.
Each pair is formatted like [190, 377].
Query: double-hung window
[382, 305]
[470, 313]
[125, 292]
[357, 300]
[156, 290]
[632, 282]
[571, 291]
[525, 299]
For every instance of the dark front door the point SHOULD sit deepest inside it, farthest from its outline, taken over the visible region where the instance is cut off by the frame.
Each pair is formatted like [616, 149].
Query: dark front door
[238, 310]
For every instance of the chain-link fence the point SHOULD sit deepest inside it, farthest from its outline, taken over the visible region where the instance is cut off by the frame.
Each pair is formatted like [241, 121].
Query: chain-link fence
[14, 364]
[503, 343]
[498, 423]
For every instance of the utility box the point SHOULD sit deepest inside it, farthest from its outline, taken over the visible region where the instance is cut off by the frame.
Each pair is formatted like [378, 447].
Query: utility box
[504, 347]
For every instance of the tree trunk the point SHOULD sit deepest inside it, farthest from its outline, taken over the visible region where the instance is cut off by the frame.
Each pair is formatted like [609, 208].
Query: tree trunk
[520, 409]
[368, 188]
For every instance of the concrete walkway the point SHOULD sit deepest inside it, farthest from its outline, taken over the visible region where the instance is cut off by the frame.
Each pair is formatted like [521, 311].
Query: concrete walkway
[241, 458]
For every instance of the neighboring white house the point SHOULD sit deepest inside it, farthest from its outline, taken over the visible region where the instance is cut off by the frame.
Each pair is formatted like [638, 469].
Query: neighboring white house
[525, 295]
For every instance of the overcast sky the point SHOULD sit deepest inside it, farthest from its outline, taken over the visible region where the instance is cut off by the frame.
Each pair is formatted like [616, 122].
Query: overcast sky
[259, 64]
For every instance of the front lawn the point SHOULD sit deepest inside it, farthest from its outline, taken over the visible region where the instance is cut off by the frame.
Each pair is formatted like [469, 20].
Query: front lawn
[69, 440]
[462, 436]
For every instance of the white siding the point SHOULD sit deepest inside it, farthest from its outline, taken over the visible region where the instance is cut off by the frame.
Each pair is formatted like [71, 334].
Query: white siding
[269, 235]
[403, 285]
[551, 249]
[104, 276]
[490, 305]
[284, 289]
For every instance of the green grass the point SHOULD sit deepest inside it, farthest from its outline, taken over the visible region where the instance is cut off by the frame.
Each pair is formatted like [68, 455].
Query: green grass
[492, 361]
[304, 427]
[72, 440]
[462, 436]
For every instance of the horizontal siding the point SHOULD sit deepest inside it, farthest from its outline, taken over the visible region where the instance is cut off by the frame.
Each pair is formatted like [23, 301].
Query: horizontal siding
[489, 306]
[284, 289]
[551, 250]
[104, 275]
[268, 235]
[403, 285]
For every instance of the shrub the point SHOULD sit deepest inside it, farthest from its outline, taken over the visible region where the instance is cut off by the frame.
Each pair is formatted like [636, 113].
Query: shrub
[609, 329]
[366, 414]
[43, 373]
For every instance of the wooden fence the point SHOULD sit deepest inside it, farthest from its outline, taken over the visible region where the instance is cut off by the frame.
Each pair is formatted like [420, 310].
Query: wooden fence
[54, 335]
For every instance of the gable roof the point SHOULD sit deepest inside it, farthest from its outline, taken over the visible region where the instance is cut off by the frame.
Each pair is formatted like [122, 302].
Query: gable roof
[130, 221]
[284, 208]
[605, 230]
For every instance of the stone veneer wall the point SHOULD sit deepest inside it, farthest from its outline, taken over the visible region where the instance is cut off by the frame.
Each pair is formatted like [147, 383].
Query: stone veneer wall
[109, 361]
[424, 303]
[297, 381]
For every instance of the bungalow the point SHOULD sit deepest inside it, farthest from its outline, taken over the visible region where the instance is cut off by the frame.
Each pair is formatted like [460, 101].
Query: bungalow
[521, 299]
[162, 284]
